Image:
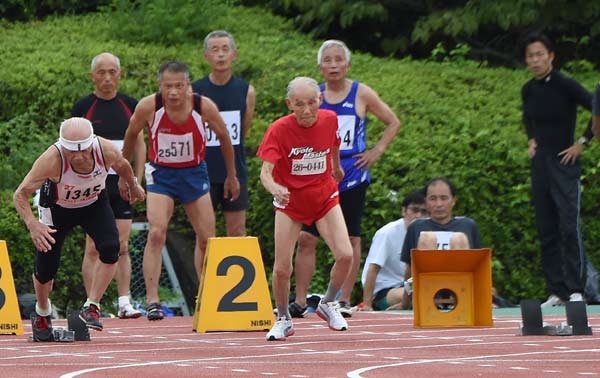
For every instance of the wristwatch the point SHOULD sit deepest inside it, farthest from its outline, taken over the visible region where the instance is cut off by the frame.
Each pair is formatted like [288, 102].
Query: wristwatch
[582, 140]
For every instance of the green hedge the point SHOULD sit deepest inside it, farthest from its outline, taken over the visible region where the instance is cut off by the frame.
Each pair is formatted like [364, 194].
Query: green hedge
[459, 119]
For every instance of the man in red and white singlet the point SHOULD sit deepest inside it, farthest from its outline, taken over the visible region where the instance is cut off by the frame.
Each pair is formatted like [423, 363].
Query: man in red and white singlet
[175, 118]
[301, 168]
[73, 172]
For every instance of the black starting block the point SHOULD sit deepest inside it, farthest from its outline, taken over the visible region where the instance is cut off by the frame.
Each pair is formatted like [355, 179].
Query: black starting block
[78, 326]
[533, 324]
[76, 331]
[576, 324]
[577, 318]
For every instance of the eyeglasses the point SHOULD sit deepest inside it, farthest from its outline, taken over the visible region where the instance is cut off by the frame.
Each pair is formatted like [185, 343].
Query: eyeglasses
[417, 209]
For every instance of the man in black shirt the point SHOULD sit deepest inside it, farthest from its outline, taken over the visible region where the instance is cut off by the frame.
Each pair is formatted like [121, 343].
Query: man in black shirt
[109, 111]
[442, 230]
[550, 103]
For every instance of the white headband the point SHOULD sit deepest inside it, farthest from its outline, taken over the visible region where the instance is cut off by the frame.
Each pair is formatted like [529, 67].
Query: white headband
[76, 145]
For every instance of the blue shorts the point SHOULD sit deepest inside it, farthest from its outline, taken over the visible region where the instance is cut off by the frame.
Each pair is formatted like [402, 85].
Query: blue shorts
[183, 184]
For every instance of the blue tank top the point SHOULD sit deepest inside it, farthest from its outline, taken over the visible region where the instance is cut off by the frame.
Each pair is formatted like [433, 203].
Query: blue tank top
[353, 135]
[231, 101]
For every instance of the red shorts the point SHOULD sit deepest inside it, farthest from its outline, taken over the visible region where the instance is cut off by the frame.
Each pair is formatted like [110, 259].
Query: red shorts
[311, 204]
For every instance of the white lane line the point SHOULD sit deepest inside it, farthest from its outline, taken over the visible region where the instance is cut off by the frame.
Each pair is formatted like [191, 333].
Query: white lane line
[357, 373]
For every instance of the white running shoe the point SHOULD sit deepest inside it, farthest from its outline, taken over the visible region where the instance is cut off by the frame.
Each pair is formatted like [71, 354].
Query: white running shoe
[576, 297]
[128, 312]
[552, 301]
[408, 286]
[283, 328]
[330, 312]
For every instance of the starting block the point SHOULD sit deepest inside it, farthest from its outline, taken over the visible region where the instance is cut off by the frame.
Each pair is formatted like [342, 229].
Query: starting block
[577, 318]
[78, 326]
[76, 331]
[533, 324]
[576, 324]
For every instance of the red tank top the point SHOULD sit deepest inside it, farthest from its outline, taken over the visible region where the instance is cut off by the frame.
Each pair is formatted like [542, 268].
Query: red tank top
[177, 146]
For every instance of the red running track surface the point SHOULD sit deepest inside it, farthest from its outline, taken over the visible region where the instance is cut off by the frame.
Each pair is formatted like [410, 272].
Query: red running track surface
[376, 345]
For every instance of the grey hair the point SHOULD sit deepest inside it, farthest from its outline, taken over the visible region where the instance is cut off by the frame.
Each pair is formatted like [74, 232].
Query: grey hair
[333, 43]
[116, 58]
[220, 34]
[302, 80]
[175, 67]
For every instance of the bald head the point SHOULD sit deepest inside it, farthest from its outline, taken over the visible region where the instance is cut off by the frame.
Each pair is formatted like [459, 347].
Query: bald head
[305, 85]
[76, 134]
[106, 58]
[304, 99]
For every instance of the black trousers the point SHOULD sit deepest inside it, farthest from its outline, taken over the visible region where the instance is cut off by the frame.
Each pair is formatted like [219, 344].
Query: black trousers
[556, 194]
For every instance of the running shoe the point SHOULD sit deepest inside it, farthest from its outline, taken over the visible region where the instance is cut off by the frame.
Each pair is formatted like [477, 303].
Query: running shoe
[330, 312]
[297, 311]
[91, 316]
[283, 328]
[576, 297]
[154, 311]
[128, 312]
[408, 286]
[552, 301]
[42, 327]
[345, 309]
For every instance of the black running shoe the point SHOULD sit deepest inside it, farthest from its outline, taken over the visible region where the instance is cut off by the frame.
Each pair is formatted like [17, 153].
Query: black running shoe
[154, 311]
[345, 309]
[91, 316]
[297, 311]
[41, 327]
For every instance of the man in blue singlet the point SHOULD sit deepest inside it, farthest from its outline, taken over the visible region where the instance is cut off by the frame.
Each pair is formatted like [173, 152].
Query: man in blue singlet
[235, 99]
[351, 101]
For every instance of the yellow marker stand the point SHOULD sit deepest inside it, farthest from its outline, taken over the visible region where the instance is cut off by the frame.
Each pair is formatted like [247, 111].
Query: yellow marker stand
[452, 288]
[10, 316]
[233, 294]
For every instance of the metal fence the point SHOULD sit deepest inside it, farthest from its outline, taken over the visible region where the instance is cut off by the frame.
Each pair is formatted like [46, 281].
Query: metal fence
[169, 289]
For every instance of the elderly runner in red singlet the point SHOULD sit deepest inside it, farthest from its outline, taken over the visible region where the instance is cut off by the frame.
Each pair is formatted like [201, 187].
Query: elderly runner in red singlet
[301, 168]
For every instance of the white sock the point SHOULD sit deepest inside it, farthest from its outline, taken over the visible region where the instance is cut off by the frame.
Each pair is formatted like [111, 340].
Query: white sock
[123, 301]
[89, 302]
[43, 311]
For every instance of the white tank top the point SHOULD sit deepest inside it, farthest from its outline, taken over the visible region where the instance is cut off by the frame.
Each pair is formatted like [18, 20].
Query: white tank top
[76, 190]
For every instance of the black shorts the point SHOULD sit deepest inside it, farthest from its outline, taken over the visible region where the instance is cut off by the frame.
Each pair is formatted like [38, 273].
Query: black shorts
[121, 208]
[380, 302]
[97, 220]
[216, 196]
[352, 202]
